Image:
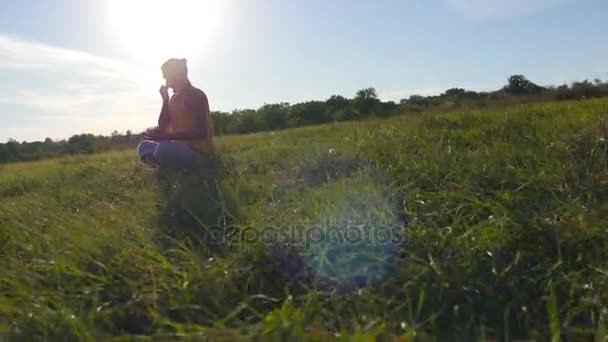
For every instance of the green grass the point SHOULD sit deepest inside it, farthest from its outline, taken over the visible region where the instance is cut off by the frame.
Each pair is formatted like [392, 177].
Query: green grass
[498, 220]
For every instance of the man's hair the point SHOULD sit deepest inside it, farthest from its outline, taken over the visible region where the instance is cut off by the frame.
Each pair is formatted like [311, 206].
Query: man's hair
[175, 64]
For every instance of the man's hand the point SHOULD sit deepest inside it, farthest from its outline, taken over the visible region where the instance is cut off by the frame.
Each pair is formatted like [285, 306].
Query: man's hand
[164, 93]
[153, 134]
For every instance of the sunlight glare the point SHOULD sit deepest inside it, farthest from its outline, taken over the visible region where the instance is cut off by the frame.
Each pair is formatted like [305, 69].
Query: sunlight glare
[155, 30]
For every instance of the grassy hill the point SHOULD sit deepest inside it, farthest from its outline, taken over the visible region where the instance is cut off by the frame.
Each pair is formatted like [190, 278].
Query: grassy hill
[477, 225]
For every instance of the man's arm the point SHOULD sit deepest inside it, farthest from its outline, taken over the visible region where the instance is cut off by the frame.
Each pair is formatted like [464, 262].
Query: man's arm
[163, 130]
[164, 119]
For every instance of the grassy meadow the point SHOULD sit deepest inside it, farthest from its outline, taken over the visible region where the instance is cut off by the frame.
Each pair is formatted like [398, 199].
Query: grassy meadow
[477, 225]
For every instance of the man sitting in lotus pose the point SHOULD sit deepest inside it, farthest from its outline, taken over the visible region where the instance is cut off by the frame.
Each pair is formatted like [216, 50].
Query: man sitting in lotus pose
[184, 134]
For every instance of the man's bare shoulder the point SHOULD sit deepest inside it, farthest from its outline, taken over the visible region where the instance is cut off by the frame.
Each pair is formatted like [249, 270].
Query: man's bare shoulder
[197, 99]
[197, 93]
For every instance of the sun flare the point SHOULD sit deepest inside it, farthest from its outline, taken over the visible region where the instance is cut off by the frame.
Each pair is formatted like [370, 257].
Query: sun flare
[155, 30]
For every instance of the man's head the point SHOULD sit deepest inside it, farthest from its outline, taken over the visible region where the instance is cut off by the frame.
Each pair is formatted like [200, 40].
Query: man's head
[175, 72]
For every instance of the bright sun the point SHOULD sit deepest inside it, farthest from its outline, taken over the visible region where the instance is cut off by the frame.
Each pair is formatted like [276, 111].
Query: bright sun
[155, 30]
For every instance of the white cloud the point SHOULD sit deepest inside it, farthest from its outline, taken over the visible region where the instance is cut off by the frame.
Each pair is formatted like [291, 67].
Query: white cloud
[501, 8]
[64, 92]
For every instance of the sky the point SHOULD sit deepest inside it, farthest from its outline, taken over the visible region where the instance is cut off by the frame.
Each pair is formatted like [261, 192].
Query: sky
[85, 66]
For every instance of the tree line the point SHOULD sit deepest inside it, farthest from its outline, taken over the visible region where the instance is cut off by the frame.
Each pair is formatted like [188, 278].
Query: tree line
[14, 151]
[365, 104]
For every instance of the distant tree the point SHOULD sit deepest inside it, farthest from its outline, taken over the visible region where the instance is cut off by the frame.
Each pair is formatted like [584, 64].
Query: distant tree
[310, 113]
[274, 116]
[366, 102]
[12, 150]
[388, 108]
[454, 92]
[418, 100]
[81, 143]
[3, 154]
[250, 121]
[586, 89]
[130, 137]
[517, 85]
[225, 123]
[345, 114]
[367, 93]
[336, 104]
[582, 85]
[520, 85]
